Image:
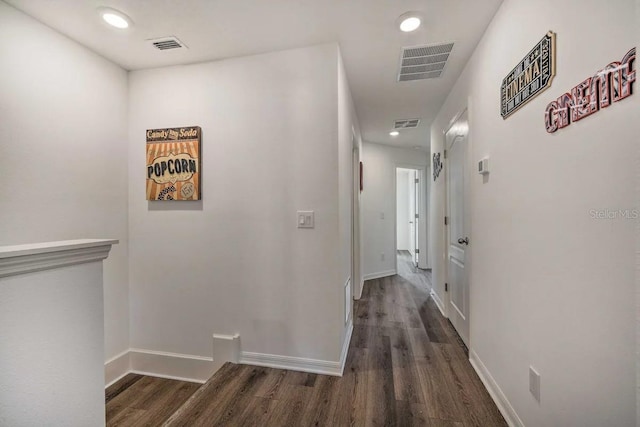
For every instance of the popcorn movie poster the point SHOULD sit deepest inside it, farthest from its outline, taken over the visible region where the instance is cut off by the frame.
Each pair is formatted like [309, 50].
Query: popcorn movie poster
[173, 163]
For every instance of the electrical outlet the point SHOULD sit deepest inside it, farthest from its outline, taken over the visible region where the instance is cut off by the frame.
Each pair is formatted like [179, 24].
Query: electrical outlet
[534, 383]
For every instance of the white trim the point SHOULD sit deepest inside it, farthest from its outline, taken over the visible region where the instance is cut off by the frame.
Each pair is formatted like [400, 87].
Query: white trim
[345, 346]
[184, 367]
[438, 302]
[348, 301]
[116, 368]
[503, 404]
[168, 377]
[314, 366]
[226, 348]
[379, 275]
[115, 380]
[22, 259]
[357, 297]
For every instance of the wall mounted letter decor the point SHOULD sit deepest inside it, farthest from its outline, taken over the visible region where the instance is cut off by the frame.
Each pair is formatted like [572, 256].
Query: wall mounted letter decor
[173, 163]
[437, 166]
[530, 77]
[611, 84]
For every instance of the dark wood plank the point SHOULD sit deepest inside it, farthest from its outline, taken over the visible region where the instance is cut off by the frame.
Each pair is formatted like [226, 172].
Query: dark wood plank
[160, 409]
[322, 404]
[212, 398]
[352, 393]
[235, 404]
[121, 385]
[126, 417]
[270, 387]
[148, 401]
[406, 381]
[472, 398]
[130, 397]
[300, 378]
[291, 406]
[257, 412]
[412, 415]
[381, 405]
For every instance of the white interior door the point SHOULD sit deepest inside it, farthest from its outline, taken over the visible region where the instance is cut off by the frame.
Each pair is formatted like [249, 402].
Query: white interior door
[458, 229]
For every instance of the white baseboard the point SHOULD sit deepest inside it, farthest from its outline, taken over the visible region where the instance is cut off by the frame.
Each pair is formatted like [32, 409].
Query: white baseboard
[345, 346]
[380, 274]
[503, 404]
[438, 302]
[226, 348]
[176, 366]
[116, 368]
[314, 366]
[360, 289]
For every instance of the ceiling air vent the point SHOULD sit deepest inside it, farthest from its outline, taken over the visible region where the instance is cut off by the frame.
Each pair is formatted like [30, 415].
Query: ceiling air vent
[423, 62]
[406, 124]
[166, 43]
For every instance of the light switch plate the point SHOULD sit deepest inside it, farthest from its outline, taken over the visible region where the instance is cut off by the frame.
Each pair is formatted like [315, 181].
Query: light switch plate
[306, 219]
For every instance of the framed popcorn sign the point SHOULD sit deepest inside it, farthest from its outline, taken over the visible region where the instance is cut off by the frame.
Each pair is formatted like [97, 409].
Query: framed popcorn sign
[173, 163]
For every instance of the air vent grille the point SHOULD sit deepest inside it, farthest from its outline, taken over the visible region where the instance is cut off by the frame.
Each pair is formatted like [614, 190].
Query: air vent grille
[167, 43]
[406, 124]
[423, 62]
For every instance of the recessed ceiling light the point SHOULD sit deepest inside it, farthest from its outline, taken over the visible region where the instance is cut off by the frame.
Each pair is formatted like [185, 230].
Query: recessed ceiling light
[409, 21]
[394, 133]
[115, 18]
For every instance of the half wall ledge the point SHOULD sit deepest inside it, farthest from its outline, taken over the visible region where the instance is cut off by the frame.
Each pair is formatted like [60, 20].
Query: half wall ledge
[22, 259]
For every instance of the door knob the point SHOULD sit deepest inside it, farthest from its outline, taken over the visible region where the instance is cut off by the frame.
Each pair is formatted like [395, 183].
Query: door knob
[464, 241]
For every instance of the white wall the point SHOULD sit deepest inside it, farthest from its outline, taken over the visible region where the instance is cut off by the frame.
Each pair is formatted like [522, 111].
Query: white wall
[63, 129]
[378, 200]
[52, 341]
[402, 209]
[235, 262]
[551, 287]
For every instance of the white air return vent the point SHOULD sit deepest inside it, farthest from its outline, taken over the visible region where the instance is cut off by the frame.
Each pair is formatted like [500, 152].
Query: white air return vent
[406, 124]
[167, 43]
[423, 62]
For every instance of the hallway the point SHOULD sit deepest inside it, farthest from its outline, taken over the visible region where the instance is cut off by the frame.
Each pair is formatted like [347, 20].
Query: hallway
[405, 367]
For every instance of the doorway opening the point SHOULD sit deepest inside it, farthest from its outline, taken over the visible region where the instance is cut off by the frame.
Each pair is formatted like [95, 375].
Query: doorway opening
[411, 224]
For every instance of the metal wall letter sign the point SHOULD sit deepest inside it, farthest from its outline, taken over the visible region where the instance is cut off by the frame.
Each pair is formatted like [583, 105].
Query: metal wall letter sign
[173, 163]
[611, 84]
[530, 77]
[437, 165]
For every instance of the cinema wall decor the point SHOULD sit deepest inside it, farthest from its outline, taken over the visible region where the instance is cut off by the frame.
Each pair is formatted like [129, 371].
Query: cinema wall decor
[173, 163]
[437, 165]
[611, 84]
[532, 76]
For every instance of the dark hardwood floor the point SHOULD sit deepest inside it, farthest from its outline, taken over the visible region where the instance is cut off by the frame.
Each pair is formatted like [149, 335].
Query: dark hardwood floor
[407, 270]
[405, 367]
[138, 400]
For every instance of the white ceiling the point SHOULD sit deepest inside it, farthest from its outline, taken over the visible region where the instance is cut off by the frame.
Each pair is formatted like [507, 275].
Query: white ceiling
[366, 31]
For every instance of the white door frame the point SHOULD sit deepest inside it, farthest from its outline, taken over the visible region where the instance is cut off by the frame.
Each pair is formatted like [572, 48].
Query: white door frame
[422, 223]
[356, 267]
[445, 161]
